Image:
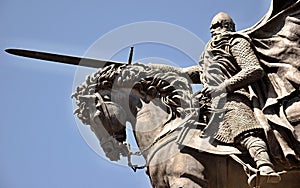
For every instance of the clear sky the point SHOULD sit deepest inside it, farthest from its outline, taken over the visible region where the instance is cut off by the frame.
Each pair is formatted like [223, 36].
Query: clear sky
[40, 143]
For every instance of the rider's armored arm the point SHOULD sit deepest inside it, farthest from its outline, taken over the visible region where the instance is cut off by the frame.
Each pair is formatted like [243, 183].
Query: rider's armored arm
[251, 70]
[192, 72]
[165, 68]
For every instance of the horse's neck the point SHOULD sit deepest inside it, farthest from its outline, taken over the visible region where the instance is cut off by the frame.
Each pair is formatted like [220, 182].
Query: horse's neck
[150, 121]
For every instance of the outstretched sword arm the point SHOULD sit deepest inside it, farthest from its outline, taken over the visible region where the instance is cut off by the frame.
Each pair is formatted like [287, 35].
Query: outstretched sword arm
[66, 59]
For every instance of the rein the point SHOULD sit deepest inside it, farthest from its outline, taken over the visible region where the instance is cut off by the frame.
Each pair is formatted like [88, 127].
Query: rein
[104, 108]
[162, 135]
[125, 147]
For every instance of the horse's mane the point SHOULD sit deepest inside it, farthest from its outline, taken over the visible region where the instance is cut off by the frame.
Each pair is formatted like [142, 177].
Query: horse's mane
[171, 86]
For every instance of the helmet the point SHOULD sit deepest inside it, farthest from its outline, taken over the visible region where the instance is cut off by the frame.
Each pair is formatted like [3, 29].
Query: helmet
[222, 20]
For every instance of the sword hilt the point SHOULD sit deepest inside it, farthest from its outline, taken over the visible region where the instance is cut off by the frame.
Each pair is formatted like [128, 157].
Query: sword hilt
[130, 55]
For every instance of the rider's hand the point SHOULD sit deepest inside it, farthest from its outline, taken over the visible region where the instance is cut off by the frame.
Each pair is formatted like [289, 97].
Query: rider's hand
[210, 91]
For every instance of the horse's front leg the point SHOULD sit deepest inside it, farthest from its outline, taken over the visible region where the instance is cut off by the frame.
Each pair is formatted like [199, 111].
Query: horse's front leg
[172, 168]
[185, 171]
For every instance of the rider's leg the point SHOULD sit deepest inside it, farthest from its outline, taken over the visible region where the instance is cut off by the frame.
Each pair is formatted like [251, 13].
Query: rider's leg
[258, 151]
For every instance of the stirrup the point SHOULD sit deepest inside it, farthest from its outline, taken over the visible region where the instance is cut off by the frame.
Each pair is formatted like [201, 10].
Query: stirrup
[256, 180]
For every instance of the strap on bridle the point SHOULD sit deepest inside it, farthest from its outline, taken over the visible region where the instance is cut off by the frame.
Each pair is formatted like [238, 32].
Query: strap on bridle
[159, 137]
[104, 108]
[126, 148]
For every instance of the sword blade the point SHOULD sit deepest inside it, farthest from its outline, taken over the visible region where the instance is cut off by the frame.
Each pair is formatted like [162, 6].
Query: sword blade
[66, 59]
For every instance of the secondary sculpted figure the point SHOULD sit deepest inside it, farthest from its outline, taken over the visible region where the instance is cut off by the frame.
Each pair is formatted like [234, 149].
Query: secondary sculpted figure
[229, 65]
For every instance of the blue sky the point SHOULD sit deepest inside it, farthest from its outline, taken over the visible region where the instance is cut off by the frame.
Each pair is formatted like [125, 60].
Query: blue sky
[40, 144]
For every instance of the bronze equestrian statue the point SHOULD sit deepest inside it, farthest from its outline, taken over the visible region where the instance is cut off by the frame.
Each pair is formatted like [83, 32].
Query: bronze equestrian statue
[238, 78]
[242, 129]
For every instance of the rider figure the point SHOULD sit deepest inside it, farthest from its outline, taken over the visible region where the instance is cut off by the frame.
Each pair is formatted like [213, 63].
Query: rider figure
[228, 66]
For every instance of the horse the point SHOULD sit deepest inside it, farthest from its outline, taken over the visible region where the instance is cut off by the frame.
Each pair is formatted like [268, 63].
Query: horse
[159, 104]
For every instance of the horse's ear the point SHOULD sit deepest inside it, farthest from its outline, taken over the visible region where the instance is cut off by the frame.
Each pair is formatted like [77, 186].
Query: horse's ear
[152, 92]
[139, 87]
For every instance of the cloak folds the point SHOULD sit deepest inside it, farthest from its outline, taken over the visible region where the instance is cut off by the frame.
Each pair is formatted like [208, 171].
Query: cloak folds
[276, 98]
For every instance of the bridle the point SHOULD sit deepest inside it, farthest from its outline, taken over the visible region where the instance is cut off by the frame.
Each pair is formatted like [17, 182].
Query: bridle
[124, 147]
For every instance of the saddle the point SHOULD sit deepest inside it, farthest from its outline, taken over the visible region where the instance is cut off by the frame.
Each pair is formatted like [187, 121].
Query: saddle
[192, 137]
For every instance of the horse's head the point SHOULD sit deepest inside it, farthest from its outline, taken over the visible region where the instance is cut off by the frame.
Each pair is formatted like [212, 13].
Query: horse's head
[114, 95]
[106, 118]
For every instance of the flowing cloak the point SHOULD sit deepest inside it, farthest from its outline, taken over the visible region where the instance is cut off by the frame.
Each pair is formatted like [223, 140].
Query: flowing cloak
[276, 38]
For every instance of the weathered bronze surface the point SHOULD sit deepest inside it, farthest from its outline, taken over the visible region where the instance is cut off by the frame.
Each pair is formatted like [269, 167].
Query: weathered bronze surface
[242, 129]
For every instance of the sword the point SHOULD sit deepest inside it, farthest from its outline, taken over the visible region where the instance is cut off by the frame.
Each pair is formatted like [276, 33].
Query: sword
[66, 59]
[192, 72]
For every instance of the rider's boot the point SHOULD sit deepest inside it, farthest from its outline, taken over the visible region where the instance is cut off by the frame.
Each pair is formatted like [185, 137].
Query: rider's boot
[258, 151]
